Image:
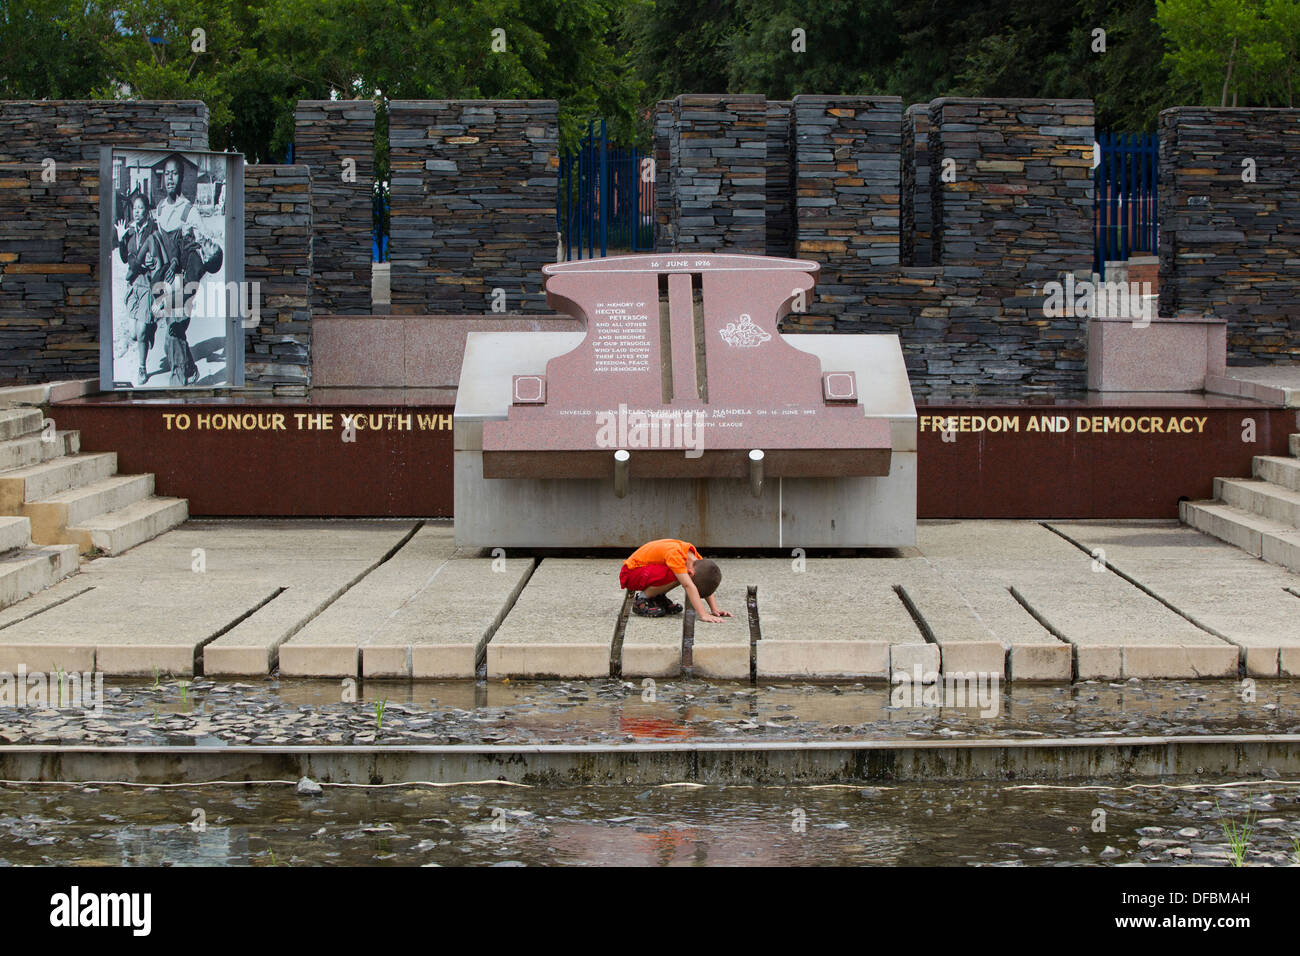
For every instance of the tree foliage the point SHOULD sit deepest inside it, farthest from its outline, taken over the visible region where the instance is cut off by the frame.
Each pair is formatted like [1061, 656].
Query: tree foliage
[615, 58]
[1242, 52]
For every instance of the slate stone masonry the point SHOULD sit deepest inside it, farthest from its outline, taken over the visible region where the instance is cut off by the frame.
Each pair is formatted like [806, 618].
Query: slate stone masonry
[473, 203]
[49, 275]
[327, 134]
[916, 238]
[278, 255]
[71, 131]
[1228, 246]
[846, 180]
[969, 309]
[715, 196]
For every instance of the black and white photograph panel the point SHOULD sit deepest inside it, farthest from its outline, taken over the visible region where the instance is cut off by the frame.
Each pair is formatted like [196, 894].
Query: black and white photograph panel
[171, 300]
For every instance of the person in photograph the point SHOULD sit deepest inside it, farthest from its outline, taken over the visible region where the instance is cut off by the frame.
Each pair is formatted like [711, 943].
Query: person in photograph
[188, 256]
[141, 251]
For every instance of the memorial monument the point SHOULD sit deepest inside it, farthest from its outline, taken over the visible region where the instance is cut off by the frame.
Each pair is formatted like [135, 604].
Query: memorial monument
[683, 411]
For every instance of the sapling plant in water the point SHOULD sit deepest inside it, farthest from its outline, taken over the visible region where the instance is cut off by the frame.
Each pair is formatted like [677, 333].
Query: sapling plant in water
[1238, 838]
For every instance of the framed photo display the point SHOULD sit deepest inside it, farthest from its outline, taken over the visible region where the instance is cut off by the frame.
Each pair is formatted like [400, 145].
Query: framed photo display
[171, 266]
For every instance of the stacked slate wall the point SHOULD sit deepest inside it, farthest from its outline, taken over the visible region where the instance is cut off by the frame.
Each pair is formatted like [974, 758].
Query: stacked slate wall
[716, 189]
[1018, 215]
[72, 131]
[49, 275]
[335, 139]
[665, 132]
[473, 204]
[1230, 246]
[49, 230]
[779, 209]
[916, 236]
[846, 179]
[278, 255]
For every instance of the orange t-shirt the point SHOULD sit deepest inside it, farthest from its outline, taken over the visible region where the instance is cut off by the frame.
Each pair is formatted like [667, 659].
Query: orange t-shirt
[667, 551]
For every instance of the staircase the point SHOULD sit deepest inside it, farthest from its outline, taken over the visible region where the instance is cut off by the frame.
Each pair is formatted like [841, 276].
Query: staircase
[1261, 514]
[56, 502]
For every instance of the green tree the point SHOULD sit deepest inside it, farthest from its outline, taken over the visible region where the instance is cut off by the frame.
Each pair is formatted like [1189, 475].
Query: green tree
[1233, 52]
[51, 49]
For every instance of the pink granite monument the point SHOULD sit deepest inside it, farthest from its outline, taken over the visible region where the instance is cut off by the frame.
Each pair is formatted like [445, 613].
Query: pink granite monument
[681, 410]
[684, 368]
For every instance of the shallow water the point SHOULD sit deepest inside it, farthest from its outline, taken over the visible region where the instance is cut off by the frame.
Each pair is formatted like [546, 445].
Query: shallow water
[674, 825]
[218, 713]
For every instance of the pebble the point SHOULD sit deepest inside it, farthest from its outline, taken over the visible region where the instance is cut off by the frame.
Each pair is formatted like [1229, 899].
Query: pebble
[309, 787]
[1110, 853]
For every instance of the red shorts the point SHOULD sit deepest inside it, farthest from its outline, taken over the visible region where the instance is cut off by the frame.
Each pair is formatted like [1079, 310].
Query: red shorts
[646, 576]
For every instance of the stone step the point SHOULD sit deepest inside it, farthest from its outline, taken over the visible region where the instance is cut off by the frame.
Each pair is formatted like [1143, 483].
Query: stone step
[51, 517]
[32, 450]
[115, 531]
[1278, 470]
[27, 570]
[1273, 541]
[1260, 497]
[16, 422]
[24, 394]
[1295, 446]
[46, 479]
[47, 392]
[15, 532]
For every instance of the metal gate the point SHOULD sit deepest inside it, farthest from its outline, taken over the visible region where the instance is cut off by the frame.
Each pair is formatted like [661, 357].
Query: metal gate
[604, 198]
[1125, 197]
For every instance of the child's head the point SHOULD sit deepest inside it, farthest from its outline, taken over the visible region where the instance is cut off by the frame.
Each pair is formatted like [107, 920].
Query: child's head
[707, 577]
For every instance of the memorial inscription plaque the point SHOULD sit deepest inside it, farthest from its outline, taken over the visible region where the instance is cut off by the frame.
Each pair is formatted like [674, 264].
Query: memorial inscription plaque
[684, 369]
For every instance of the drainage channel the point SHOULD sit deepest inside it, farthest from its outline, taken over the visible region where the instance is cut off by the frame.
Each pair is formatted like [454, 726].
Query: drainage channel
[735, 763]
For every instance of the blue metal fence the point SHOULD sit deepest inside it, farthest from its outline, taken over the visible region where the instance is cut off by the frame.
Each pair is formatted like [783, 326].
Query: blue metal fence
[603, 201]
[1125, 197]
[380, 204]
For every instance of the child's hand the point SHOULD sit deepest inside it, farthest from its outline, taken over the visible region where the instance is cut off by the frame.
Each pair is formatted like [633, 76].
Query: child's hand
[721, 613]
[711, 619]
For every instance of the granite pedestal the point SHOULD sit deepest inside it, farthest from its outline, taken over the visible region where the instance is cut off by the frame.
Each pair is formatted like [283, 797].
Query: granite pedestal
[729, 432]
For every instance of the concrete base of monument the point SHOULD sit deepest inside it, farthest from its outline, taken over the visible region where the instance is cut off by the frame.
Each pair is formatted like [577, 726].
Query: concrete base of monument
[822, 512]
[396, 600]
[790, 512]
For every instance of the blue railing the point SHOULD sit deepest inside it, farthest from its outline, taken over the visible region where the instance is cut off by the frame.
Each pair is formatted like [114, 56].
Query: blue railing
[1125, 197]
[381, 205]
[604, 198]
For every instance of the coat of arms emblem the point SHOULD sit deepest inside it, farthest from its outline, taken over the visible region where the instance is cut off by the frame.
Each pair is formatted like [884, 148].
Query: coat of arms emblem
[744, 334]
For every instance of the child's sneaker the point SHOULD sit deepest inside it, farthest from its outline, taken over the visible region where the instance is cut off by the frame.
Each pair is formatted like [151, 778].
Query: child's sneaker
[668, 606]
[647, 607]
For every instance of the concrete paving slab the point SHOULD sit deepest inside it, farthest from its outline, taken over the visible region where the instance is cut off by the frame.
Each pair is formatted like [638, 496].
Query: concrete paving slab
[329, 645]
[1075, 598]
[652, 646]
[1232, 594]
[834, 618]
[562, 625]
[157, 605]
[721, 651]
[440, 631]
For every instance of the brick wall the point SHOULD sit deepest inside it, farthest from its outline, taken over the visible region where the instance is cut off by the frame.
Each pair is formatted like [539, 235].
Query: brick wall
[473, 203]
[326, 134]
[1230, 247]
